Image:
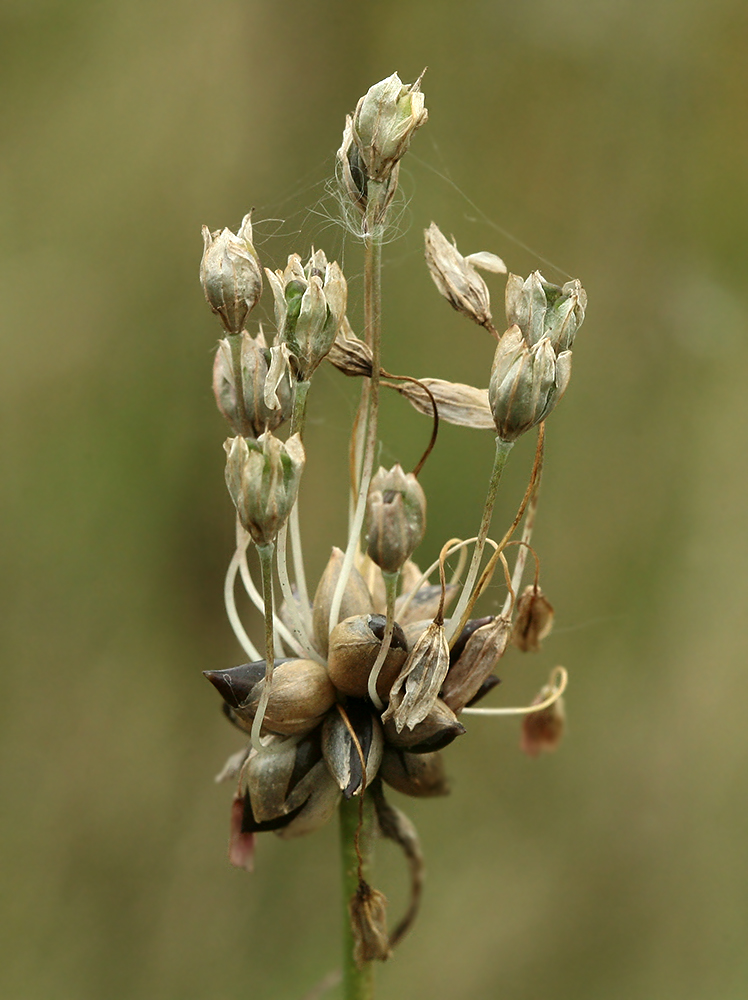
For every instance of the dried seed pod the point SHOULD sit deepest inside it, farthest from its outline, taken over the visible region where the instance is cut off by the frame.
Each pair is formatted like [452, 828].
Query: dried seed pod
[354, 645]
[421, 775]
[368, 910]
[416, 688]
[349, 354]
[310, 303]
[542, 731]
[341, 753]
[534, 619]
[356, 599]
[230, 274]
[290, 792]
[478, 660]
[276, 786]
[440, 727]
[244, 405]
[456, 276]
[300, 694]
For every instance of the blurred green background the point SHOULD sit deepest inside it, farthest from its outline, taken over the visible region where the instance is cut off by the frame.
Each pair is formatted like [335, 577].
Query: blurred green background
[608, 137]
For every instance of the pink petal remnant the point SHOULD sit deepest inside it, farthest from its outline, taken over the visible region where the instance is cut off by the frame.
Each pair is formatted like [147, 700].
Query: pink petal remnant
[241, 845]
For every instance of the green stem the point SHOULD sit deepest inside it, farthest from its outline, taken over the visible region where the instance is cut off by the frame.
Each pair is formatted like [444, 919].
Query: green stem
[464, 606]
[355, 854]
[265, 552]
[298, 419]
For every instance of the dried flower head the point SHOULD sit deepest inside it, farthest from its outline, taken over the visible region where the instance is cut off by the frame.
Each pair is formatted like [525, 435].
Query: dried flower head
[457, 277]
[231, 274]
[534, 619]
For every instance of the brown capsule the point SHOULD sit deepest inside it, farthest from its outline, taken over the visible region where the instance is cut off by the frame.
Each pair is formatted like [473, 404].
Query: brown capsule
[277, 785]
[354, 645]
[300, 694]
[421, 775]
[478, 660]
[356, 599]
[440, 727]
[534, 619]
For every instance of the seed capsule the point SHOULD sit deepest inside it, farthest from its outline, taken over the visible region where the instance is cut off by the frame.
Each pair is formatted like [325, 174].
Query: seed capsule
[300, 694]
[230, 274]
[483, 650]
[356, 599]
[421, 775]
[354, 645]
[263, 479]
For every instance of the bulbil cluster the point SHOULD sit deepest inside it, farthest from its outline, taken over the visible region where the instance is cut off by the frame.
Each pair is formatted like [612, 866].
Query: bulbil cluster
[369, 680]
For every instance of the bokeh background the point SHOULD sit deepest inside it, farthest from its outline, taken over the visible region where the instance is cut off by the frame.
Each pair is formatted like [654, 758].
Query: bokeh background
[604, 140]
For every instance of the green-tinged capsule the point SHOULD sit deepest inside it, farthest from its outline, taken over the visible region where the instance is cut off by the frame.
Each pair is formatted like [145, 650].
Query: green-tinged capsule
[541, 309]
[384, 122]
[310, 304]
[263, 480]
[526, 383]
[252, 402]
